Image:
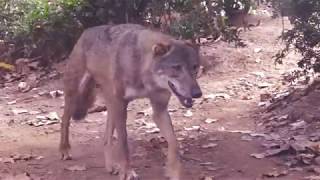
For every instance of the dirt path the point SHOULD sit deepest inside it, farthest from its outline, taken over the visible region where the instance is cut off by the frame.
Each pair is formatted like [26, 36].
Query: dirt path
[232, 93]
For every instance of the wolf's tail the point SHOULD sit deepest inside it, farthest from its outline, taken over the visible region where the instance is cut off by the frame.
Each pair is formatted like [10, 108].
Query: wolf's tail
[85, 97]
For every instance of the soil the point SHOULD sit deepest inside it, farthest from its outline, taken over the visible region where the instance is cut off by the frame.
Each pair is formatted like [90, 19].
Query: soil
[238, 77]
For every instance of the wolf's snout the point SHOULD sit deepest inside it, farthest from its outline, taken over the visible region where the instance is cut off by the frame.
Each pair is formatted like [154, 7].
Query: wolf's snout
[196, 92]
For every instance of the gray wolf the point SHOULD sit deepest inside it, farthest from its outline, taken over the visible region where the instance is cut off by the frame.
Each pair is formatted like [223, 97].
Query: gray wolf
[241, 18]
[128, 62]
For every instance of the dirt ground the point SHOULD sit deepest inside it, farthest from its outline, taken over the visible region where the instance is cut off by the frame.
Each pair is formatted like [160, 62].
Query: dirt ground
[213, 134]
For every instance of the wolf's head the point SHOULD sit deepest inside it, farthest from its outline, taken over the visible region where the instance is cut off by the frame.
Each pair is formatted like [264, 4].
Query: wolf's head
[175, 68]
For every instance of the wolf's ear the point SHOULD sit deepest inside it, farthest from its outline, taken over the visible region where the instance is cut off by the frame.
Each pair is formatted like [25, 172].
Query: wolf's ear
[160, 49]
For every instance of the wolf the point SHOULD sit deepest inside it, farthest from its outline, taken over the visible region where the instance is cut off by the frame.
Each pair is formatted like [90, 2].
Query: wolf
[241, 18]
[128, 62]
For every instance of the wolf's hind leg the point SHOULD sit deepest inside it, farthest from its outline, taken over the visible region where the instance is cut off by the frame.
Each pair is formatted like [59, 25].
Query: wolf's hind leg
[69, 106]
[72, 77]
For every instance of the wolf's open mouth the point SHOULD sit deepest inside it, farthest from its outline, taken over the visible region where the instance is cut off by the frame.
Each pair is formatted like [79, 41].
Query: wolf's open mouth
[185, 101]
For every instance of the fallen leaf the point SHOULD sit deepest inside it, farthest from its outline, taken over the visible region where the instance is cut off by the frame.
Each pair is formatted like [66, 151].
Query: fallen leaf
[273, 152]
[193, 128]
[172, 110]
[259, 74]
[209, 121]
[207, 178]
[246, 138]
[312, 178]
[97, 108]
[306, 158]
[7, 160]
[276, 173]
[153, 131]
[24, 87]
[41, 120]
[298, 125]
[214, 96]
[6, 66]
[19, 111]
[53, 116]
[257, 50]
[264, 85]
[77, 168]
[41, 117]
[34, 112]
[149, 125]
[146, 112]
[25, 157]
[12, 102]
[258, 155]
[265, 97]
[210, 145]
[206, 164]
[56, 93]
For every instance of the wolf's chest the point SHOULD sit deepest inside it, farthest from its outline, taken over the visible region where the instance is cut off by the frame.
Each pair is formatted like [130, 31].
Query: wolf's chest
[132, 93]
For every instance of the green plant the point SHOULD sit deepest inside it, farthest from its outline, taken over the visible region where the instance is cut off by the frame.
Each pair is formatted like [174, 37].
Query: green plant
[304, 37]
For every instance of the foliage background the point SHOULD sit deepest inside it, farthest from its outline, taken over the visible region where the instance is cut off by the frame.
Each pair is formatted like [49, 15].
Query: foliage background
[304, 37]
[49, 28]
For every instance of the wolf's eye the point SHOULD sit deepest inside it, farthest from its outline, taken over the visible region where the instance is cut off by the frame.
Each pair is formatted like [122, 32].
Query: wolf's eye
[177, 67]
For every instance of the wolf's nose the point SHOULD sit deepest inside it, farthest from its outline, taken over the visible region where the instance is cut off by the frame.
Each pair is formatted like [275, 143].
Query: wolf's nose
[196, 93]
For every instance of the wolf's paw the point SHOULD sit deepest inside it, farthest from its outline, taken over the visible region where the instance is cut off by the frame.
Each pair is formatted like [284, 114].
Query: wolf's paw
[65, 155]
[129, 175]
[173, 171]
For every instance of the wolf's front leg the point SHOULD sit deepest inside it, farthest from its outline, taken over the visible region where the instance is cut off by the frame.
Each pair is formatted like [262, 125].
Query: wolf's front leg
[162, 119]
[117, 156]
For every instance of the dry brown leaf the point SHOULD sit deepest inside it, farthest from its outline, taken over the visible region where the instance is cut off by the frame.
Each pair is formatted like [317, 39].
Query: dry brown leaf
[76, 168]
[275, 173]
